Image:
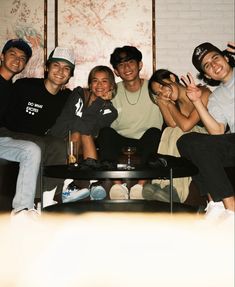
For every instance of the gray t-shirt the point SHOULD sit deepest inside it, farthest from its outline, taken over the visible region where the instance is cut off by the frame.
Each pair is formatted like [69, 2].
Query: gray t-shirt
[221, 104]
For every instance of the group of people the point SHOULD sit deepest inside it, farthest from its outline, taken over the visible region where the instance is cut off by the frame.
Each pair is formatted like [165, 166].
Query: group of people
[165, 114]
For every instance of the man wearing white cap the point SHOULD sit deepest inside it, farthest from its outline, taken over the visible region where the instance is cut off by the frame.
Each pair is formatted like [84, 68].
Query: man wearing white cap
[36, 103]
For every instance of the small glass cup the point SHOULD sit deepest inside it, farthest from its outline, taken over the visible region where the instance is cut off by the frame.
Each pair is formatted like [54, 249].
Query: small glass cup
[72, 152]
[129, 151]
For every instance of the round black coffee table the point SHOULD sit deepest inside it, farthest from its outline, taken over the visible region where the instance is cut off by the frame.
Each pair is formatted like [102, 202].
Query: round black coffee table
[127, 205]
[178, 168]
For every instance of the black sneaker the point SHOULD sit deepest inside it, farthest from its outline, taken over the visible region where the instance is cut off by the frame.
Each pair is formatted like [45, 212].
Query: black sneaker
[108, 165]
[89, 163]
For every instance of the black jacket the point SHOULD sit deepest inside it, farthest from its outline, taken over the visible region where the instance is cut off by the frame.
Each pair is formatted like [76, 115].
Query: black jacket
[78, 117]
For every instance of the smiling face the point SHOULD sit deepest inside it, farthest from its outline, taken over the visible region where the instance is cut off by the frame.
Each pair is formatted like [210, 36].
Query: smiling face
[169, 90]
[216, 67]
[13, 62]
[100, 84]
[59, 73]
[128, 70]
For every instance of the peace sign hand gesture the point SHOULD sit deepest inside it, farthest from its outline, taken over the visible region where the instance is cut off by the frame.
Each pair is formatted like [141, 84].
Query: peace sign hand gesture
[193, 92]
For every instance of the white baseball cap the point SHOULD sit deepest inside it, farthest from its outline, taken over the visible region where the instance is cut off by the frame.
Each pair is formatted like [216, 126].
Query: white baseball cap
[62, 54]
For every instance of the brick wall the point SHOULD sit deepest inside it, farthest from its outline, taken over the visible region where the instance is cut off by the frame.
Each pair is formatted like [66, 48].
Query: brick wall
[183, 24]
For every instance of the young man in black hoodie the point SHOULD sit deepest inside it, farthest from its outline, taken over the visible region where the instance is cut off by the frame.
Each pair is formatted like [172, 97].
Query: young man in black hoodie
[14, 57]
[34, 108]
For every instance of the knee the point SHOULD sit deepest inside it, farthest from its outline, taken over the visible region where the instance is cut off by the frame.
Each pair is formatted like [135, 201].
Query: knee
[184, 143]
[35, 151]
[153, 132]
[105, 134]
[189, 142]
[152, 135]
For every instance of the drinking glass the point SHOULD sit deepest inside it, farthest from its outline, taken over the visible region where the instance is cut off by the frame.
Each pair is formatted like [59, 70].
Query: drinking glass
[72, 152]
[129, 151]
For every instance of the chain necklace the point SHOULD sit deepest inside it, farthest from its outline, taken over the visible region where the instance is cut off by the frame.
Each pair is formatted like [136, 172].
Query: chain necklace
[132, 104]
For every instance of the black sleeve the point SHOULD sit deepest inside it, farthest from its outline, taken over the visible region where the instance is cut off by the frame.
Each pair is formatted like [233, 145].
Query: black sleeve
[68, 116]
[5, 97]
[11, 113]
[108, 115]
[100, 114]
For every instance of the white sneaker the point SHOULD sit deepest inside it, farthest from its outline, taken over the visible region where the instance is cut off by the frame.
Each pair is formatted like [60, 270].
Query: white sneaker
[228, 218]
[119, 191]
[214, 211]
[136, 191]
[25, 215]
[73, 193]
[97, 192]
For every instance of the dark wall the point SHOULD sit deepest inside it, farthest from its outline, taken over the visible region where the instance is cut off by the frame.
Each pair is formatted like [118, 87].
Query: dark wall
[8, 177]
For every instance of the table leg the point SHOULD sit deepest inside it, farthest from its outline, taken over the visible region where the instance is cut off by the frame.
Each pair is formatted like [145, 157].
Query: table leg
[171, 190]
[41, 186]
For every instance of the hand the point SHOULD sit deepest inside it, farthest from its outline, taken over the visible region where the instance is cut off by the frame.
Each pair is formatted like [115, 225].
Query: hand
[193, 92]
[231, 47]
[107, 96]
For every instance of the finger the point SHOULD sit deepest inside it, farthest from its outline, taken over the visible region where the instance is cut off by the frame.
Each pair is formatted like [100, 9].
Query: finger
[185, 82]
[190, 77]
[231, 48]
[231, 45]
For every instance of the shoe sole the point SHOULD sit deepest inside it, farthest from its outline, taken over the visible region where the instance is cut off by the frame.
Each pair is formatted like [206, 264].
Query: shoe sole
[136, 194]
[98, 193]
[82, 195]
[151, 193]
[118, 193]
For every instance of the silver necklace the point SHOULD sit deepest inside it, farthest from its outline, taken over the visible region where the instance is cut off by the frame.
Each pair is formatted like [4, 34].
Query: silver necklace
[137, 98]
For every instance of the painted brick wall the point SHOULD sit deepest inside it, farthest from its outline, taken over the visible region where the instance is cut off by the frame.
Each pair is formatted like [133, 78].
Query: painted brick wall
[183, 24]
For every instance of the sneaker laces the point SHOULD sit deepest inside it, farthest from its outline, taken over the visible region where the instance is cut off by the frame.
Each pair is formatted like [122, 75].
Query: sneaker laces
[70, 188]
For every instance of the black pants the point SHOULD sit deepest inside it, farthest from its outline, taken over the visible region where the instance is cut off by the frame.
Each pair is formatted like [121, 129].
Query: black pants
[110, 144]
[53, 153]
[211, 154]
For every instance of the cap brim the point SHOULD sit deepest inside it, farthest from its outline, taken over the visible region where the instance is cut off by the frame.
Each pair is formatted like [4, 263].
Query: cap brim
[61, 60]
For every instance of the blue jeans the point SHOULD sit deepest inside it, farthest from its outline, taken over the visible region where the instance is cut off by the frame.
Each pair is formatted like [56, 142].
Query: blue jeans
[28, 154]
[53, 152]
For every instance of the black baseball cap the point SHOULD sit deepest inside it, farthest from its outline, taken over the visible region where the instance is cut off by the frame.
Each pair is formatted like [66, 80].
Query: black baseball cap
[201, 51]
[19, 44]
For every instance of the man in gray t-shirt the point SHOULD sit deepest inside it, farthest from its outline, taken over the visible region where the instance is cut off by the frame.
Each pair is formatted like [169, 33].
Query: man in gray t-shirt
[214, 151]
